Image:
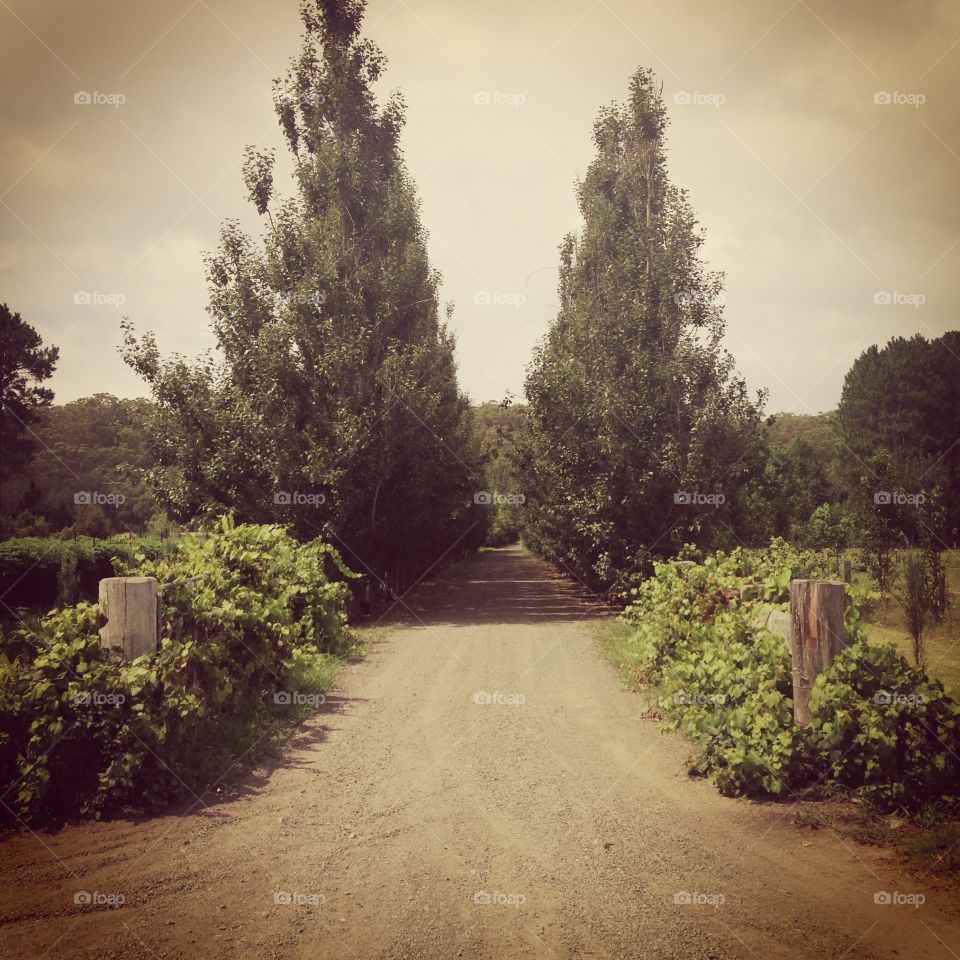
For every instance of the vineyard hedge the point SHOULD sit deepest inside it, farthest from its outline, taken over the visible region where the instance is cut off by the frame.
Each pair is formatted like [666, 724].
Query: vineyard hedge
[257, 630]
[880, 728]
[30, 567]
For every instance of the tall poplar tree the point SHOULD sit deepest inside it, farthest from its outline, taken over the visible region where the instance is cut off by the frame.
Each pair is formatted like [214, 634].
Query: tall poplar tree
[633, 401]
[333, 389]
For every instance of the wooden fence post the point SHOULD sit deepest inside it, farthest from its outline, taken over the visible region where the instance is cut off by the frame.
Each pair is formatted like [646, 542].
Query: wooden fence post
[130, 605]
[816, 636]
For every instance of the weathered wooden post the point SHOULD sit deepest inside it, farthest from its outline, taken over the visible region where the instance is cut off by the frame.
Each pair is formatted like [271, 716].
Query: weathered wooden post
[816, 636]
[130, 606]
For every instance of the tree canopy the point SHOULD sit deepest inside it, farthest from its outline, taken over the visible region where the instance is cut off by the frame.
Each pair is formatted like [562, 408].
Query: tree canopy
[24, 364]
[85, 472]
[899, 422]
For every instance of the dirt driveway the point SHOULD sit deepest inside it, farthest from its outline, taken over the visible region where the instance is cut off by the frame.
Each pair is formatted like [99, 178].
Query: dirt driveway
[480, 786]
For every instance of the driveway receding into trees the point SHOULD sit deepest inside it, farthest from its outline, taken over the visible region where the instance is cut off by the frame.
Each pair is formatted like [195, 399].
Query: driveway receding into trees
[481, 786]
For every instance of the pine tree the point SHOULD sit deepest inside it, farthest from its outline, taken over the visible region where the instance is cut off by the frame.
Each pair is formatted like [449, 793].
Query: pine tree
[24, 364]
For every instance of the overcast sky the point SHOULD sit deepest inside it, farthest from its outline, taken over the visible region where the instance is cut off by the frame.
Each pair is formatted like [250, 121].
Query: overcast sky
[817, 200]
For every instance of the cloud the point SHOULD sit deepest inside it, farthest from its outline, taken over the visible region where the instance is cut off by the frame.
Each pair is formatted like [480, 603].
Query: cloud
[812, 195]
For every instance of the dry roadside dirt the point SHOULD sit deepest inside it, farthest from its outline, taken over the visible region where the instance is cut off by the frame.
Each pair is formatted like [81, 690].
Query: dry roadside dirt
[408, 820]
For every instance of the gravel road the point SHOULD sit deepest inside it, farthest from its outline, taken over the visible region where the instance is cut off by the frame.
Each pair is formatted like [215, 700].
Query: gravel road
[480, 786]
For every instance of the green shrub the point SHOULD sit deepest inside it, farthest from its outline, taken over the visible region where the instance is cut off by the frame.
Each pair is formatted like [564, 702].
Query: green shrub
[83, 731]
[884, 729]
[731, 693]
[665, 608]
[722, 679]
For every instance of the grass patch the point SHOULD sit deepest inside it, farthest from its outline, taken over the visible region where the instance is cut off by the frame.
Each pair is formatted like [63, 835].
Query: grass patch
[364, 638]
[929, 842]
[885, 623]
[308, 678]
[938, 848]
[613, 639]
[217, 766]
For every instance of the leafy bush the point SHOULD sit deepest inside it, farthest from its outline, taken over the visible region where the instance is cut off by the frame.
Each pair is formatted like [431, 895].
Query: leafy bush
[699, 640]
[721, 678]
[84, 731]
[733, 697]
[884, 728]
[935, 576]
